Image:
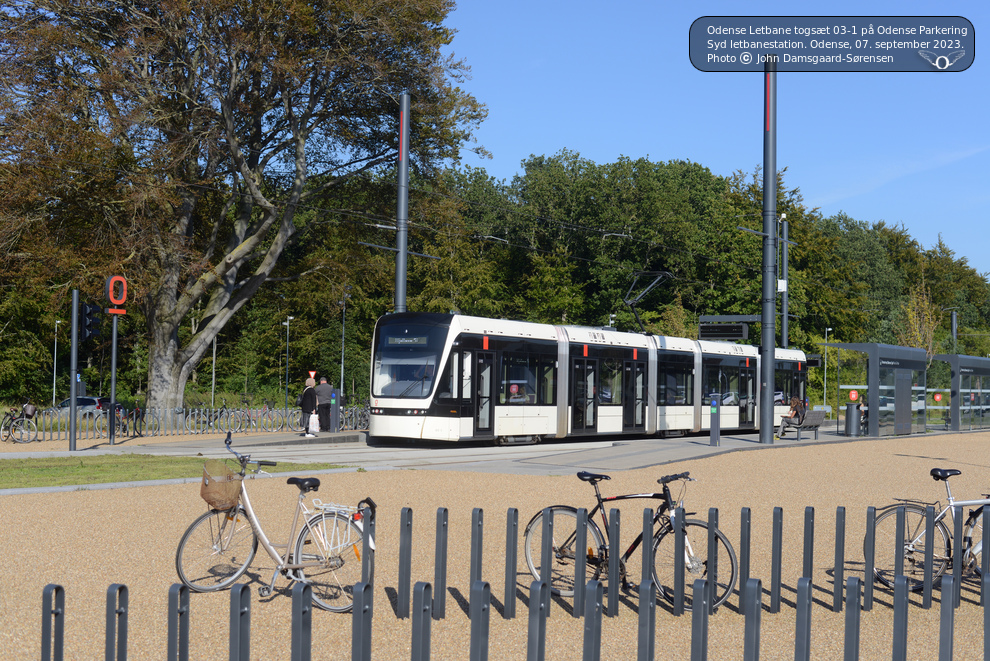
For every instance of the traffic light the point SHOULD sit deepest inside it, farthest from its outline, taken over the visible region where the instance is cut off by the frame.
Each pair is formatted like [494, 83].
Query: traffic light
[89, 321]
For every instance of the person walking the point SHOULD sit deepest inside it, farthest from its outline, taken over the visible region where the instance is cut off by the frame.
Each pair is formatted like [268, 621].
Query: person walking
[309, 406]
[325, 395]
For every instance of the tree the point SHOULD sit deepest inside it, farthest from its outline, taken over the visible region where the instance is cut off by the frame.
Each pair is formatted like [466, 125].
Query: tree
[922, 319]
[209, 132]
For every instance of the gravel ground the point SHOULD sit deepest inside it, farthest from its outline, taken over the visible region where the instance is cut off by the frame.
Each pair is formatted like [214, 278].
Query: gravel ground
[86, 540]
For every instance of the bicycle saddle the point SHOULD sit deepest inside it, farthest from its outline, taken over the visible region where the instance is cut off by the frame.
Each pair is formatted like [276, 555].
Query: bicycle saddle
[944, 473]
[594, 478]
[305, 483]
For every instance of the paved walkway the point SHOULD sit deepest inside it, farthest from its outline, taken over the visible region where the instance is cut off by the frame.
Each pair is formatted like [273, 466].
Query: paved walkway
[350, 451]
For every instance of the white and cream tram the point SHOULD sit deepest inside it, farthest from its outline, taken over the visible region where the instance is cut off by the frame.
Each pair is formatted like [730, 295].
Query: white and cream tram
[451, 377]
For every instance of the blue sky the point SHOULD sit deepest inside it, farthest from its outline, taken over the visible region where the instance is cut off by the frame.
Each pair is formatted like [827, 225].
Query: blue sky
[614, 79]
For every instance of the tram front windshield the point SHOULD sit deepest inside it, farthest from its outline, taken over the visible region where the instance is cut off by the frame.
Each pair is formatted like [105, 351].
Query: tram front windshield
[406, 358]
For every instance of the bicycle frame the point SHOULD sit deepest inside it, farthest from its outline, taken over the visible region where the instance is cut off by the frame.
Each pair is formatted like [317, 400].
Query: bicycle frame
[661, 516]
[972, 547]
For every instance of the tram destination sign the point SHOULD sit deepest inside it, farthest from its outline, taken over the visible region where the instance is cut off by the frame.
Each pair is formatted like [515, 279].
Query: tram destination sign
[833, 43]
[723, 332]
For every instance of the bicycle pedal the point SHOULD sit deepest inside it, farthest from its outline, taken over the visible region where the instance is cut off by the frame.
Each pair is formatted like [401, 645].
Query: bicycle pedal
[264, 591]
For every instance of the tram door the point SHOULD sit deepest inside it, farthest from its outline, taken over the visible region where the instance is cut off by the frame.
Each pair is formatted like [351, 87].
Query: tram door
[633, 396]
[747, 398]
[583, 408]
[484, 378]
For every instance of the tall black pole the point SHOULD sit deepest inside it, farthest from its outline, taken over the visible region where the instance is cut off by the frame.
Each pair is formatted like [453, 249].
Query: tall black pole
[113, 385]
[73, 365]
[783, 295]
[769, 310]
[402, 206]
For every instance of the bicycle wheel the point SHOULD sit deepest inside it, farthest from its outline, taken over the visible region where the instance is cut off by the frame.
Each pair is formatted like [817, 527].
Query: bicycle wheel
[216, 550]
[23, 430]
[295, 420]
[5, 428]
[197, 421]
[914, 548]
[330, 545]
[151, 424]
[564, 549]
[272, 421]
[695, 561]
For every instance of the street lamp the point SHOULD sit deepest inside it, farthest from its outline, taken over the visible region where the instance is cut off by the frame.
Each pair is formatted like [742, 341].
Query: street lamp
[286, 324]
[825, 378]
[55, 360]
[343, 327]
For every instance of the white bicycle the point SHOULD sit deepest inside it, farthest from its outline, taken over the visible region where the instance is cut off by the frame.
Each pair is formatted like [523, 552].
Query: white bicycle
[219, 546]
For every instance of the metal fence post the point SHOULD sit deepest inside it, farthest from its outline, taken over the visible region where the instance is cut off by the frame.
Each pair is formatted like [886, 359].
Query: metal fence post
[52, 623]
[613, 563]
[546, 547]
[580, 561]
[809, 543]
[802, 624]
[899, 648]
[405, 563]
[947, 619]
[536, 641]
[745, 530]
[368, 557]
[899, 541]
[440, 567]
[776, 556]
[511, 562]
[480, 607]
[178, 623]
[853, 616]
[240, 622]
[926, 595]
[116, 631]
[302, 622]
[753, 610]
[712, 558]
[869, 562]
[361, 623]
[646, 650]
[421, 621]
[477, 538]
[676, 522]
[699, 621]
[839, 567]
[957, 554]
[594, 597]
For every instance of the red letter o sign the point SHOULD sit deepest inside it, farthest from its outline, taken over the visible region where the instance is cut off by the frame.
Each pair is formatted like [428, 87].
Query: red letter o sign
[114, 283]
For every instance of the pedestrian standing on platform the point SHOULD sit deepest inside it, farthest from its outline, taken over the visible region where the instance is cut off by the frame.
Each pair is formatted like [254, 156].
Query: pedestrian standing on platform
[324, 393]
[309, 406]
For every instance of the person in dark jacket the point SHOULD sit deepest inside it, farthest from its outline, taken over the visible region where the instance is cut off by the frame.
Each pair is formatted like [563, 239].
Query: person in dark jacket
[325, 395]
[309, 405]
[794, 417]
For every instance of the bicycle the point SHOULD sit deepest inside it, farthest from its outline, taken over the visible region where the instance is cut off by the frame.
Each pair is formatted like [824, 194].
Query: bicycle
[222, 419]
[885, 529]
[296, 421]
[18, 425]
[695, 545]
[269, 419]
[220, 545]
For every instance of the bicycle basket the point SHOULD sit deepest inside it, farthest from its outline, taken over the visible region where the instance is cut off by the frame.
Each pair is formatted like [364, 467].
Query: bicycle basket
[30, 410]
[221, 487]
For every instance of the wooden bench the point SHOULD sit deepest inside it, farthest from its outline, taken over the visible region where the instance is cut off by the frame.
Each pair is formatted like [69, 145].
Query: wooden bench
[812, 420]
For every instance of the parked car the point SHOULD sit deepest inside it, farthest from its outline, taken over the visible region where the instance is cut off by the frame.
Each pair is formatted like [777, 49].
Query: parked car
[84, 406]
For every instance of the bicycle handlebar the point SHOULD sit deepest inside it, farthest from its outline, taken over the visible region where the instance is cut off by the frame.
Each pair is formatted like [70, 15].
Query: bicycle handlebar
[245, 459]
[671, 478]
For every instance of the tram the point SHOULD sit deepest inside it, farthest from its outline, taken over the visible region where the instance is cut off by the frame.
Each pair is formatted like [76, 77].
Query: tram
[452, 377]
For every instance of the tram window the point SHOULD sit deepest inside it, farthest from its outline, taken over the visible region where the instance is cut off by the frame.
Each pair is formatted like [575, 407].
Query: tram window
[611, 383]
[676, 386]
[447, 386]
[518, 379]
[548, 382]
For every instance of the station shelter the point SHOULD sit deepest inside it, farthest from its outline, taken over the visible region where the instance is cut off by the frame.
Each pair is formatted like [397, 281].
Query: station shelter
[968, 407]
[883, 389]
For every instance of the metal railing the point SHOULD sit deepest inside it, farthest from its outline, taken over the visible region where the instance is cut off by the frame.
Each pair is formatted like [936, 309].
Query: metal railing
[53, 424]
[429, 599]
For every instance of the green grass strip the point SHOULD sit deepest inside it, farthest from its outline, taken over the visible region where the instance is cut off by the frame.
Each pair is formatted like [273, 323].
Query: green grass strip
[104, 468]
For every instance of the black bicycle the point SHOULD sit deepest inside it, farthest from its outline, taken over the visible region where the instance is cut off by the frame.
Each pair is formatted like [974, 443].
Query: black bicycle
[695, 560]
[18, 425]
